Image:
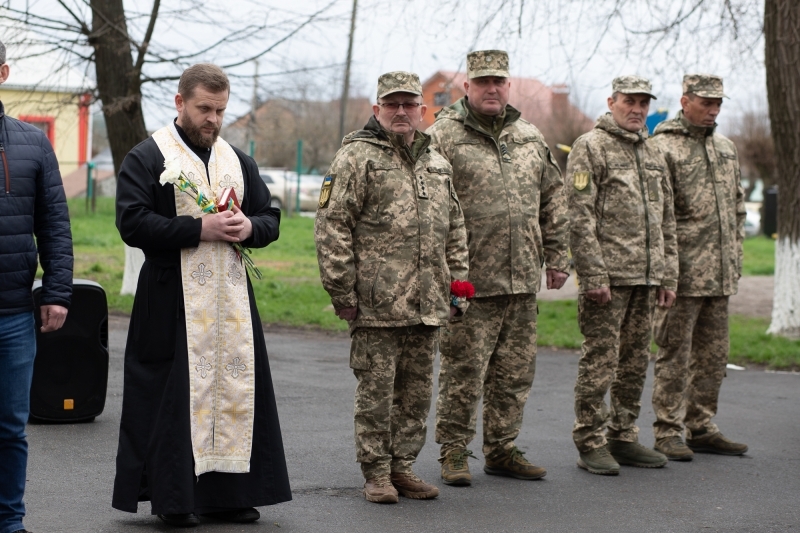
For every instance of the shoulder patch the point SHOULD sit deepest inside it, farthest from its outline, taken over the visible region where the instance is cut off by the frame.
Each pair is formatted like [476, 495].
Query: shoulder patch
[325, 192]
[581, 179]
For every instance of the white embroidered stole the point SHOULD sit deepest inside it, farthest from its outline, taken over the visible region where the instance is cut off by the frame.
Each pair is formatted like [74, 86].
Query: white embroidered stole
[219, 331]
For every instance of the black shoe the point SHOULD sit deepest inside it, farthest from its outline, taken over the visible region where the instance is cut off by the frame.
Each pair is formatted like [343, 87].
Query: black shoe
[180, 520]
[22, 531]
[238, 516]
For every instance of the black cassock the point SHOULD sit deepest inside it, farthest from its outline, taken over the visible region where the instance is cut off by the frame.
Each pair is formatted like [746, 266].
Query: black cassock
[154, 458]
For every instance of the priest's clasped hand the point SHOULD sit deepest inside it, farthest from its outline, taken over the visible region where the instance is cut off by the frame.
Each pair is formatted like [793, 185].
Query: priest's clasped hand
[229, 226]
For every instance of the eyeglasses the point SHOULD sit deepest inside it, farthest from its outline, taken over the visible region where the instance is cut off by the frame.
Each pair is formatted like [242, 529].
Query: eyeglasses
[394, 106]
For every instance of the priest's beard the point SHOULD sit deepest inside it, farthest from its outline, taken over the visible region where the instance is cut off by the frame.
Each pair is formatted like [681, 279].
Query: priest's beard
[196, 135]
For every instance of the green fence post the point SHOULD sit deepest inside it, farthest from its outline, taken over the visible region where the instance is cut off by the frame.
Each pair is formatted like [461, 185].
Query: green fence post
[299, 171]
[89, 185]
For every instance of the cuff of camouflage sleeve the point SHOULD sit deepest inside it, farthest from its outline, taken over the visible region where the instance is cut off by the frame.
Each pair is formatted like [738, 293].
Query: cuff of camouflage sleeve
[669, 284]
[591, 283]
[560, 263]
[342, 302]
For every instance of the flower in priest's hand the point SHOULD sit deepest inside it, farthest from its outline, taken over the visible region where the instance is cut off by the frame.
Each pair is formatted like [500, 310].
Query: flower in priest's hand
[172, 172]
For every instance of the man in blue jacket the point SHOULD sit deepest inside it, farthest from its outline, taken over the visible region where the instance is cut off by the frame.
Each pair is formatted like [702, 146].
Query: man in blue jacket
[32, 203]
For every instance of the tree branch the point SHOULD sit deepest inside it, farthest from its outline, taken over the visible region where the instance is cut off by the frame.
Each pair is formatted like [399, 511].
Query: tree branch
[147, 36]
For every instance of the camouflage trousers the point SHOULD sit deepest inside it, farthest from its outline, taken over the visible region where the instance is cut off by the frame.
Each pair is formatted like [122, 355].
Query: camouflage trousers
[693, 352]
[614, 355]
[491, 351]
[394, 368]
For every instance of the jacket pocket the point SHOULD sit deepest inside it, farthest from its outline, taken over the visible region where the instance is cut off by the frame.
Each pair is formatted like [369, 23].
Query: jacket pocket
[654, 174]
[381, 294]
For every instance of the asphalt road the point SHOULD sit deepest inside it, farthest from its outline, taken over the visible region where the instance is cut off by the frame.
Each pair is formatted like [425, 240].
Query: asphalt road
[71, 467]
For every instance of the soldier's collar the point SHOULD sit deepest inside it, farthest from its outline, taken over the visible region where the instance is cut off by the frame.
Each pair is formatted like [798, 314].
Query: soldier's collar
[693, 129]
[607, 123]
[482, 123]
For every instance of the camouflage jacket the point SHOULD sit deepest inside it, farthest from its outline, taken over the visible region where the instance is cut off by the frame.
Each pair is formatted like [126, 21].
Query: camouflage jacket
[391, 237]
[709, 206]
[622, 226]
[513, 198]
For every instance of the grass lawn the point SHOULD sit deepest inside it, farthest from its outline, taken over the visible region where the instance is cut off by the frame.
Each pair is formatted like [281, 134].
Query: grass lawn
[750, 344]
[759, 256]
[291, 293]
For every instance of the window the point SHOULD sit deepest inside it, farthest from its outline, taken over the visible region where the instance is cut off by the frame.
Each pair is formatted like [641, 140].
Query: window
[44, 123]
[441, 99]
[267, 179]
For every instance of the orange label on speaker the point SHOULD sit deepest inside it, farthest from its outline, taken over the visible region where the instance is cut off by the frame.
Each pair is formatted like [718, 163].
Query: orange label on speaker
[69, 404]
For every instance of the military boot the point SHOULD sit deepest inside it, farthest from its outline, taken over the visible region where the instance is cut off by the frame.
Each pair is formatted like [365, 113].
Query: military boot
[380, 490]
[455, 470]
[410, 486]
[634, 454]
[599, 461]
[674, 448]
[714, 443]
[512, 463]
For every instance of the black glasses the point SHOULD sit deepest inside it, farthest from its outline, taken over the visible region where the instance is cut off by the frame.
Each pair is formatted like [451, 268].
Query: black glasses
[394, 106]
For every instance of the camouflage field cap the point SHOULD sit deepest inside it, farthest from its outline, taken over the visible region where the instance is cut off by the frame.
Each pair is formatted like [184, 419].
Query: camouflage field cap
[399, 82]
[487, 63]
[704, 85]
[632, 85]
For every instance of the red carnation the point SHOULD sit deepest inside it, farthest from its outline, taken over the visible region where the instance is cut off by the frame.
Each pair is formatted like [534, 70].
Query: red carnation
[462, 289]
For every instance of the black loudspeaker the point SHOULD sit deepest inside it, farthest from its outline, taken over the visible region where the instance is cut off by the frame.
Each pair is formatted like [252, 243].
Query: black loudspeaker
[70, 373]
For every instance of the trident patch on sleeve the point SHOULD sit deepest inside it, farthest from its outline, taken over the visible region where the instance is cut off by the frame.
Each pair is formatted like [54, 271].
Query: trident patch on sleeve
[325, 192]
[581, 179]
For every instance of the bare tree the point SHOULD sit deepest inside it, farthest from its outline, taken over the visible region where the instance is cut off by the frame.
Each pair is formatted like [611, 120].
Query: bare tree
[782, 55]
[132, 60]
[280, 122]
[752, 136]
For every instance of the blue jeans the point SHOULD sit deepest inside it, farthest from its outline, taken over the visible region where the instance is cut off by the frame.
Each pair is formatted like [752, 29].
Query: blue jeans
[17, 351]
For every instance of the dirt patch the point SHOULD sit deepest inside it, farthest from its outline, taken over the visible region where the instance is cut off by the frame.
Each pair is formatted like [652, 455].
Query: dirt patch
[754, 297]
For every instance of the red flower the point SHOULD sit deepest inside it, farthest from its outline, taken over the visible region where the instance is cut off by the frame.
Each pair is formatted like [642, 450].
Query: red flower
[462, 289]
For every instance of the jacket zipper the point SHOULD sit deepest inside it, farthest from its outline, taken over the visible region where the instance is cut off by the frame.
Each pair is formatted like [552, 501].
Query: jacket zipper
[5, 168]
[646, 212]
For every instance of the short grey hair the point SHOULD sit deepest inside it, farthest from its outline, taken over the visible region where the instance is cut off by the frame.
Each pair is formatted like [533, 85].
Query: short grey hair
[2, 53]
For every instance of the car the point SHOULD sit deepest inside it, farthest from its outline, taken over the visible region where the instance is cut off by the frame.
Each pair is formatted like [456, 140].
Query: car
[282, 185]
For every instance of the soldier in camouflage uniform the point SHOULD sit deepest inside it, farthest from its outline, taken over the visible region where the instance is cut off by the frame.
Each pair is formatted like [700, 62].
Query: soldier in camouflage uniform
[390, 239]
[693, 335]
[623, 242]
[512, 193]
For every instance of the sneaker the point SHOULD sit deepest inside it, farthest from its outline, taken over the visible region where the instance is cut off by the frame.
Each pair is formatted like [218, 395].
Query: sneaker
[455, 470]
[715, 443]
[599, 461]
[380, 490]
[410, 486]
[634, 454]
[180, 520]
[674, 448]
[512, 463]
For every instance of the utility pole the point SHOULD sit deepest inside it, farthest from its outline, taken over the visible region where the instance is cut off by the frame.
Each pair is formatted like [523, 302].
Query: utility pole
[251, 133]
[346, 87]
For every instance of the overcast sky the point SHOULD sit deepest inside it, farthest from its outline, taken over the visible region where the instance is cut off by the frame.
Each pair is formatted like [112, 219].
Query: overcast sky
[567, 41]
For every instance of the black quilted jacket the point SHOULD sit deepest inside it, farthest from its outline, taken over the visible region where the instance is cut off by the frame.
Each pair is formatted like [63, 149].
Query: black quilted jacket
[32, 203]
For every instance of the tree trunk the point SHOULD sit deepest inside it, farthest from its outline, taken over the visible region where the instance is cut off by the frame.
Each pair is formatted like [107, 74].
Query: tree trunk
[782, 59]
[120, 91]
[118, 81]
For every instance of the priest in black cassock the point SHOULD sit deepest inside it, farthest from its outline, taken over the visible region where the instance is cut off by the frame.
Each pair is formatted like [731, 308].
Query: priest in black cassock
[199, 434]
